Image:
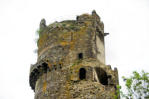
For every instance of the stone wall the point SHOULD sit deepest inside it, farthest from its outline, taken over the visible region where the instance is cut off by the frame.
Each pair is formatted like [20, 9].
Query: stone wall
[71, 61]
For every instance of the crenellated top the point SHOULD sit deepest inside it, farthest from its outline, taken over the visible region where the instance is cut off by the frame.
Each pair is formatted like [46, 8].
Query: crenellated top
[73, 25]
[66, 32]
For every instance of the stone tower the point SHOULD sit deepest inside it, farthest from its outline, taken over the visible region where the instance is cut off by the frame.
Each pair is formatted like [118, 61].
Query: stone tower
[71, 61]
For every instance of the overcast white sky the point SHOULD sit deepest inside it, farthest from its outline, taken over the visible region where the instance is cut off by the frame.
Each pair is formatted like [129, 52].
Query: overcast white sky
[127, 46]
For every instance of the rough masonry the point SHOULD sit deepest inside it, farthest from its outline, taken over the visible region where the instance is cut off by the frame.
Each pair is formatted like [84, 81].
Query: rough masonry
[71, 61]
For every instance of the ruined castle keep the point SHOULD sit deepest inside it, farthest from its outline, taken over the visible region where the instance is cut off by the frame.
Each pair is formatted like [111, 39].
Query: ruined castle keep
[71, 61]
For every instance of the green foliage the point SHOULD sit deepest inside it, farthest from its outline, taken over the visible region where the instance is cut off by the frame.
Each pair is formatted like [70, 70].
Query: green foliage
[137, 86]
[39, 31]
[72, 27]
[77, 62]
[117, 92]
[63, 24]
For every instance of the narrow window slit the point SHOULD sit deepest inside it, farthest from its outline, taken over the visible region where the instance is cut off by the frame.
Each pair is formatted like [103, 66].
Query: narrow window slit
[60, 66]
[80, 55]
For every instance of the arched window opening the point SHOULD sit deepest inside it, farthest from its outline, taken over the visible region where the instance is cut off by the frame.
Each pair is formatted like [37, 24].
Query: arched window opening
[80, 56]
[82, 73]
[102, 76]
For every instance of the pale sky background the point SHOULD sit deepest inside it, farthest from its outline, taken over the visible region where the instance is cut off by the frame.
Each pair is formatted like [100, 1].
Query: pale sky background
[127, 46]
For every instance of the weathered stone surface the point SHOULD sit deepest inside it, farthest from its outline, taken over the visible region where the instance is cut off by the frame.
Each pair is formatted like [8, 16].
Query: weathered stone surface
[42, 24]
[71, 61]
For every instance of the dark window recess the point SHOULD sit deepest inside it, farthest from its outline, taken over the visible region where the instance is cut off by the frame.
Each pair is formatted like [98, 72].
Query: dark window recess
[102, 76]
[60, 66]
[45, 66]
[115, 87]
[82, 73]
[80, 55]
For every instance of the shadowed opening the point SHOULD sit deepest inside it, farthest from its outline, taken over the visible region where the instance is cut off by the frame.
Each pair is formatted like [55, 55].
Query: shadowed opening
[102, 76]
[80, 56]
[82, 73]
[60, 66]
[44, 66]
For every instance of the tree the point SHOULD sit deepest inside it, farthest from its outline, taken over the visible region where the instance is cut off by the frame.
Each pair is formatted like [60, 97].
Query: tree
[137, 86]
